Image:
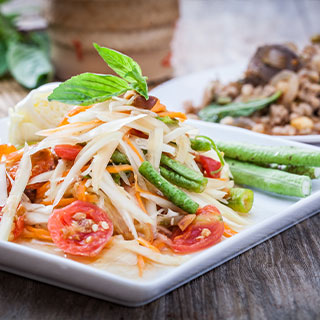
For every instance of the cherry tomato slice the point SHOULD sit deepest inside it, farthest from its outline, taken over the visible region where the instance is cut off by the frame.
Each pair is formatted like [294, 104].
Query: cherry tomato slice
[42, 161]
[18, 229]
[67, 151]
[80, 228]
[18, 223]
[205, 231]
[209, 166]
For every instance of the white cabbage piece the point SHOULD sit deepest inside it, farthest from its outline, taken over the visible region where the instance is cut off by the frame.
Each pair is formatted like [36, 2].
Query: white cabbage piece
[35, 113]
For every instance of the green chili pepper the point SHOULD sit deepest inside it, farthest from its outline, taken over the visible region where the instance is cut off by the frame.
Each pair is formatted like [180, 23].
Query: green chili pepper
[172, 193]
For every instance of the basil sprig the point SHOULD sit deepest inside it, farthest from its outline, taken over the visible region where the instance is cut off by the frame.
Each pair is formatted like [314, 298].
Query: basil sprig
[89, 88]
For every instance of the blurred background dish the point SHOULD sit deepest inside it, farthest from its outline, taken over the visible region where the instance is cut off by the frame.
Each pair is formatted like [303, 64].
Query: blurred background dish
[207, 34]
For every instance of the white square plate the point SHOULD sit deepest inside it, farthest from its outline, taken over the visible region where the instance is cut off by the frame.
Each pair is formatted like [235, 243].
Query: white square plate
[271, 214]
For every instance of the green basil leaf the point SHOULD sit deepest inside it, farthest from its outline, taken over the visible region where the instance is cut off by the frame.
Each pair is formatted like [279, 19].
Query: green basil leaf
[89, 88]
[118, 62]
[214, 113]
[3, 59]
[125, 67]
[140, 85]
[29, 65]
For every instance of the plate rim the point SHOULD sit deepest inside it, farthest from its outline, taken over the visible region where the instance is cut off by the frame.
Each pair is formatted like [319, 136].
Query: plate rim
[149, 290]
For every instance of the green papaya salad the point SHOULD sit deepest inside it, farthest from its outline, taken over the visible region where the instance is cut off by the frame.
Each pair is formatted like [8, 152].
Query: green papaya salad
[122, 182]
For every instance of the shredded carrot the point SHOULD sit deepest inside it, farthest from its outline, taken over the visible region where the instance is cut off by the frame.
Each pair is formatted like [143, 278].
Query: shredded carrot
[80, 191]
[158, 107]
[141, 205]
[127, 140]
[141, 264]
[179, 115]
[119, 168]
[62, 203]
[140, 190]
[92, 198]
[228, 231]
[147, 244]
[36, 233]
[72, 113]
[42, 190]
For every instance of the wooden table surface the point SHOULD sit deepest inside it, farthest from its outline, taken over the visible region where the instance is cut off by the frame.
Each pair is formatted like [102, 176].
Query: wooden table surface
[279, 279]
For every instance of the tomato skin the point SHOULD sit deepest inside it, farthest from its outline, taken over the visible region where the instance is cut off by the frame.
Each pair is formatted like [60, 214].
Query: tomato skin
[67, 151]
[76, 242]
[205, 231]
[209, 165]
[19, 226]
[42, 161]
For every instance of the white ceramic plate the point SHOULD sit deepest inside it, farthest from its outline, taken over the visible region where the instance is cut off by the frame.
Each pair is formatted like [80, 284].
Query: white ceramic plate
[270, 215]
[175, 92]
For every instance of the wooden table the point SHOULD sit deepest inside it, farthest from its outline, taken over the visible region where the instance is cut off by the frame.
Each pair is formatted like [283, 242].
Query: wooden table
[279, 279]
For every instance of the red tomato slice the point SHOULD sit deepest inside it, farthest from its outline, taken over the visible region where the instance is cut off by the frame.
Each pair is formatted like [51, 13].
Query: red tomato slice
[205, 231]
[67, 151]
[18, 229]
[209, 166]
[42, 161]
[18, 224]
[80, 228]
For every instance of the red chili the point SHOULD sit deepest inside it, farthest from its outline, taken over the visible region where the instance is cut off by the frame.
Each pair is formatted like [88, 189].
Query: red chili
[210, 167]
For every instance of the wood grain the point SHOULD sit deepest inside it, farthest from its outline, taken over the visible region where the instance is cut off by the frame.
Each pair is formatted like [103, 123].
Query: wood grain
[279, 279]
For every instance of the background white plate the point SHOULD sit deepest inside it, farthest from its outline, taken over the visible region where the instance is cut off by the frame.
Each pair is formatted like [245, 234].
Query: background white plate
[175, 92]
[271, 215]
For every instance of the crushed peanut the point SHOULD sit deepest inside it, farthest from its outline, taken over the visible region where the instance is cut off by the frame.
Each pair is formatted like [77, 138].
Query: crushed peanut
[79, 216]
[104, 225]
[95, 228]
[204, 234]
[89, 239]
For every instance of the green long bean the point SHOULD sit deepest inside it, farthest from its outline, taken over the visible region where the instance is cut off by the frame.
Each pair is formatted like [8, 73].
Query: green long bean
[181, 169]
[269, 179]
[270, 154]
[241, 200]
[172, 193]
[183, 182]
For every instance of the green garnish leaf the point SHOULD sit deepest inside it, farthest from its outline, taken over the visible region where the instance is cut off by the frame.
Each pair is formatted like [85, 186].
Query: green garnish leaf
[125, 67]
[214, 113]
[29, 65]
[89, 88]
